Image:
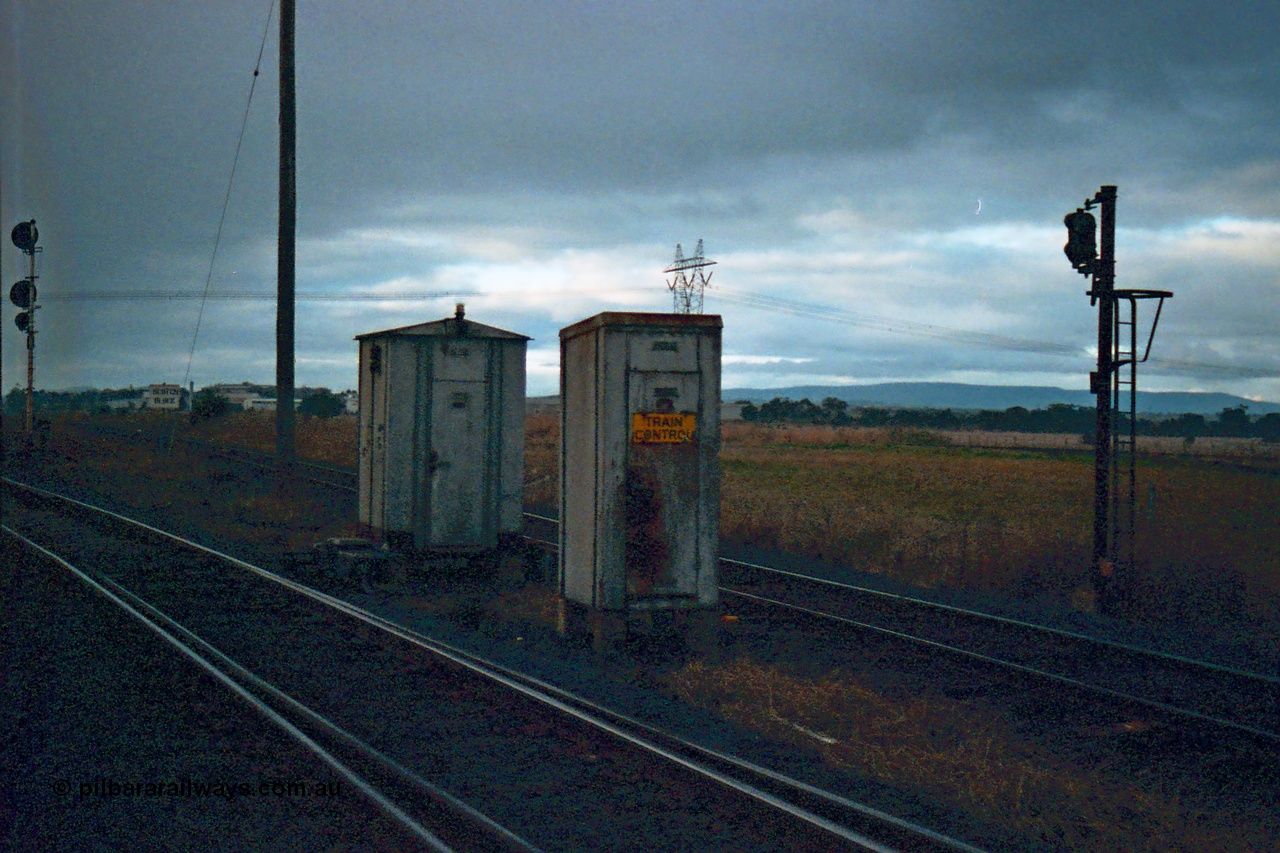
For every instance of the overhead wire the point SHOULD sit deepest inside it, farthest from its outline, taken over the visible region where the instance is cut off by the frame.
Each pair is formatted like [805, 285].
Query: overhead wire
[888, 324]
[251, 295]
[1231, 369]
[986, 339]
[318, 296]
[753, 300]
[226, 201]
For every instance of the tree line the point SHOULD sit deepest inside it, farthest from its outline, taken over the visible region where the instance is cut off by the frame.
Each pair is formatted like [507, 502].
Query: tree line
[1057, 418]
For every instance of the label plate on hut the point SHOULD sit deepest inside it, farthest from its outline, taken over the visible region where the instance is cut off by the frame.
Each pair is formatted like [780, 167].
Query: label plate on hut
[662, 428]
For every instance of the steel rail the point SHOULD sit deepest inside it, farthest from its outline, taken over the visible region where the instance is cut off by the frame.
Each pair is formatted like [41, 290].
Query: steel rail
[1176, 710]
[677, 742]
[436, 793]
[372, 793]
[991, 617]
[1017, 667]
[484, 668]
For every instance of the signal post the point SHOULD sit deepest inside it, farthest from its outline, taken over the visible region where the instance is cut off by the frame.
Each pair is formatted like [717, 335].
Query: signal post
[1113, 524]
[23, 294]
[1082, 251]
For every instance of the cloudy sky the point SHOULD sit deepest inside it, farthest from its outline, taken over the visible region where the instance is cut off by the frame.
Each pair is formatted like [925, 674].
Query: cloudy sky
[881, 184]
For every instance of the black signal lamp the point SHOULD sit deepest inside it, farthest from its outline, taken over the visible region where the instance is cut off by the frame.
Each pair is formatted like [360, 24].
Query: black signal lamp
[25, 235]
[23, 293]
[1082, 241]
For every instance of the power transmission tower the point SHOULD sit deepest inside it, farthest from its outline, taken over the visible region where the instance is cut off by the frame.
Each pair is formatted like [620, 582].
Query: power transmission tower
[691, 279]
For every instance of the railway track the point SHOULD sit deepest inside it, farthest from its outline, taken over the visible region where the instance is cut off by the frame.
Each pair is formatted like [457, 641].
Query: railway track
[110, 740]
[429, 817]
[1177, 686]
[1173, 685]
[516, 749]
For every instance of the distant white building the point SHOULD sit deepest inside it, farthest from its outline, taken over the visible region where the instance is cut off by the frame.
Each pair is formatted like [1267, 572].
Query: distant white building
[264, 404]
[163, 396]
[351, 399]
[235, 394]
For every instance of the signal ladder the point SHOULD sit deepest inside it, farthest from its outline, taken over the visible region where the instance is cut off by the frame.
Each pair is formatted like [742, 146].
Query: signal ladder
[1124, 402]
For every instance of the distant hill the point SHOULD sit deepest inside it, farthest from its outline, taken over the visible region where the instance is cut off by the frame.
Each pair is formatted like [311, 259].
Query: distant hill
[954, 395]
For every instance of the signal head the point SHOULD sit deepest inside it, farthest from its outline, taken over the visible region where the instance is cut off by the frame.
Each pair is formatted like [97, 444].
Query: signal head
[1082, 241]
[25, 235]
[23, 293]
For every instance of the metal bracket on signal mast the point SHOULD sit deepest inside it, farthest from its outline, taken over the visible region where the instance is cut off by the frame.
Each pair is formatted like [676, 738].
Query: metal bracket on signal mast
[1133, 296]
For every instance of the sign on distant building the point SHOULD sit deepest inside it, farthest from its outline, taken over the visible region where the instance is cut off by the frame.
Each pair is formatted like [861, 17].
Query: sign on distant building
[163, 396]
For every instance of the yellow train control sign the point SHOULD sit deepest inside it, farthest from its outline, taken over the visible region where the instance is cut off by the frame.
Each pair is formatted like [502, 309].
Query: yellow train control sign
[662, 428]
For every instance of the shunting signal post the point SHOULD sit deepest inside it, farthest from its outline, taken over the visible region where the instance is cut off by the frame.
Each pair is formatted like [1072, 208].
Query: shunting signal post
[1114, 383]
[23, 294]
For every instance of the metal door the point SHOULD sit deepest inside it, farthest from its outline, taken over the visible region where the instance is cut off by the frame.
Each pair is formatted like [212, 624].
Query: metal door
[373, 439]
[458, 495]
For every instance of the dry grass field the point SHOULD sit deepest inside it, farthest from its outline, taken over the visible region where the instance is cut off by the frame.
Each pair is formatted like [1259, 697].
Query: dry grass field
[915, 506]
[334, 441]
[965, 755]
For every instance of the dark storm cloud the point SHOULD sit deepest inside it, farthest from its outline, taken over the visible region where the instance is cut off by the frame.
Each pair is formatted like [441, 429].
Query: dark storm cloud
[579, 97]
[837, 152]
[623, 93]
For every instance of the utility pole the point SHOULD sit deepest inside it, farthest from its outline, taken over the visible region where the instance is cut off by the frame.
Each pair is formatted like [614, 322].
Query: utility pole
[286, 244]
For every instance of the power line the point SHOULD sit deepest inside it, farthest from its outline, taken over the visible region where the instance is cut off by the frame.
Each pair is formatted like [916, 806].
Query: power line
[753, 300]
[226, 201]
[985, 339]
[251, 295]
[315, 296]
[888, 324]
[1193, 366]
